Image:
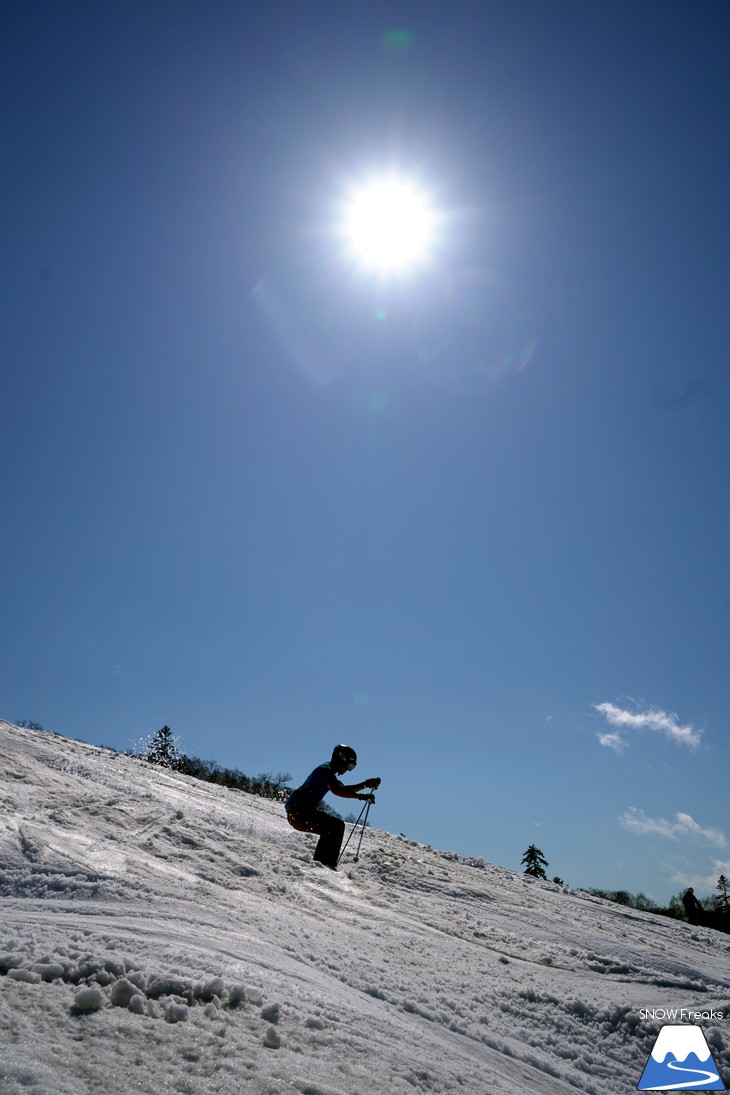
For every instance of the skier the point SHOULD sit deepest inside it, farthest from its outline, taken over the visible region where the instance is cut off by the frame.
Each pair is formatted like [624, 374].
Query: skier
[302, 806]
[692, 907]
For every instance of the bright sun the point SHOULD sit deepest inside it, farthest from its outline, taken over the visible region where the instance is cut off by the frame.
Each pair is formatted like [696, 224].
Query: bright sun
[389, 226]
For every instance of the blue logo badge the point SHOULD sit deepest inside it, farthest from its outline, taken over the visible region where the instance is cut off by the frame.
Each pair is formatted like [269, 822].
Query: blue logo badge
[680, 1060]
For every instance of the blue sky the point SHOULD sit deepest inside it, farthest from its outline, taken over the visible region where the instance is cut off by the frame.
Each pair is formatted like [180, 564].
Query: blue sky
[276, 501]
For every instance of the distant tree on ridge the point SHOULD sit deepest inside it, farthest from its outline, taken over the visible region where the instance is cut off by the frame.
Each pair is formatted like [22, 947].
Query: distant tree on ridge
[535, 862]
[162, 749]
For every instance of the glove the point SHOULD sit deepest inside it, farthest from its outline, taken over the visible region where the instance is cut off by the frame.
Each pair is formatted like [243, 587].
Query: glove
[368, 798]
[374, 783]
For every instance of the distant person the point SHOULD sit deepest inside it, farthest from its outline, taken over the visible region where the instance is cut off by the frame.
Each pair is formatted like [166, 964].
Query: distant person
[302, 806]
[692, 907]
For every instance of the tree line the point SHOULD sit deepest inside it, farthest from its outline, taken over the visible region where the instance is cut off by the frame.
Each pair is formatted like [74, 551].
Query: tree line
[714, 911]
[163, 748]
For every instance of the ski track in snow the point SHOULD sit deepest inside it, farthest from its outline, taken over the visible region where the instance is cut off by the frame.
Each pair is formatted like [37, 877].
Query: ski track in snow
[160, 934]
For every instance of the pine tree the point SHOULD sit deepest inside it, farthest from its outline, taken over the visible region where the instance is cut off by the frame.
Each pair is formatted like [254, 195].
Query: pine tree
[722, 885]
[535, 862]
[162, 749]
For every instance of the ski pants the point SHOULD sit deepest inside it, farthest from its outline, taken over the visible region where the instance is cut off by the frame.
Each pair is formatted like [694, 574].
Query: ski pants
[330, 829]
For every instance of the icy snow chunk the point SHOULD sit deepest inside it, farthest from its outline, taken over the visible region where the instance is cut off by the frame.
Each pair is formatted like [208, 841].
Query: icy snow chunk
[10, 962]
[715, 1038]
[137, 1004]
[113, 966]
[272, 1038]
[314, 1022]
[28, 976]
[49, 971]
[168, 986]
[206, 990]
[89, 998]
[136, 977]
[236, 996]
[271, 1013]
[176, 1013]
[122, 993]
[88, 967]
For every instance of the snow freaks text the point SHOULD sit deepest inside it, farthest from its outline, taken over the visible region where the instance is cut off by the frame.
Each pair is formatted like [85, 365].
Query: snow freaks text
[681, 1015]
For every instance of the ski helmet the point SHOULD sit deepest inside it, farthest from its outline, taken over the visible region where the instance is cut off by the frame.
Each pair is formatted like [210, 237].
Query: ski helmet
[344, 757]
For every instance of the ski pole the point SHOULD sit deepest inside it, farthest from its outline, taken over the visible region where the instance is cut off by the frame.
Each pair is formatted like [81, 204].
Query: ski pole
[365, 807]
[365, 821]
[375, 784]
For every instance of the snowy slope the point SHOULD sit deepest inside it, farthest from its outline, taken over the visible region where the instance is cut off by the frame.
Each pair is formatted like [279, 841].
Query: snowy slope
[161, 934]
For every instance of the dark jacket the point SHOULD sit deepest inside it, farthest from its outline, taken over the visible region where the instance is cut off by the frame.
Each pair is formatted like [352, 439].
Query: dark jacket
[307, 798]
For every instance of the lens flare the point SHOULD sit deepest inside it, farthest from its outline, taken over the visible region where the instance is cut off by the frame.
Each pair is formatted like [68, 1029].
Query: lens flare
[398, 40]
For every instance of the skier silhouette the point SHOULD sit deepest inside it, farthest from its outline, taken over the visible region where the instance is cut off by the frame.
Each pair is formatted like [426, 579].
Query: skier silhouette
[692, 907]
[302, 806]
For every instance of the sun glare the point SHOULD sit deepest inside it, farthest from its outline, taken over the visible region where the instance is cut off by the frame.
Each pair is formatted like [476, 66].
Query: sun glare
[389, 226]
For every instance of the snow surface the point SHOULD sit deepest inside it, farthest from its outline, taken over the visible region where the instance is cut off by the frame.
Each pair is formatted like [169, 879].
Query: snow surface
[160, 934]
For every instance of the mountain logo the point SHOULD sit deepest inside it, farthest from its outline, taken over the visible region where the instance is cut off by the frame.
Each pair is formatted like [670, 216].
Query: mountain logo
[680, 1060]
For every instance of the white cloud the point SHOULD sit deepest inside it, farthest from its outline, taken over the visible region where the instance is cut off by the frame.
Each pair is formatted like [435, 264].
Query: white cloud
[704, 884]
[636, 821]
[720, 866]
[662, 722]
[684, 825]
[612, 741]
[689, 825]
